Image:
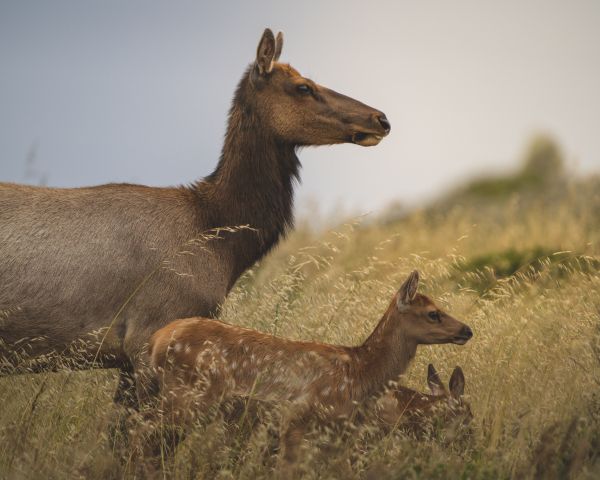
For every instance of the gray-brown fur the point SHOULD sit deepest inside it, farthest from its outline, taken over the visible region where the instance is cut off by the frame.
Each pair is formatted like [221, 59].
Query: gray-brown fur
[124, 260]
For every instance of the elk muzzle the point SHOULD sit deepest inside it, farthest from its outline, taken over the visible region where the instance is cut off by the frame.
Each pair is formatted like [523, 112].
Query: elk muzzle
[463, 336]
[379, 127]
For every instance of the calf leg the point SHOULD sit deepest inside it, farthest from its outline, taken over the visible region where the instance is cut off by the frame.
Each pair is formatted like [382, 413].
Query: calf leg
[165, 425]
[291, 443]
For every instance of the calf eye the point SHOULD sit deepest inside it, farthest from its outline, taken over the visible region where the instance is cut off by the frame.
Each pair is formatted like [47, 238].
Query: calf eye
[435, 316]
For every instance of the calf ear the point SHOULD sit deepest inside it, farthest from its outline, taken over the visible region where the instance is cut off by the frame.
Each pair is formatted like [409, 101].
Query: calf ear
[278, 46]
[433, 380]
[408, 290]
[457, 383]
[265, 53]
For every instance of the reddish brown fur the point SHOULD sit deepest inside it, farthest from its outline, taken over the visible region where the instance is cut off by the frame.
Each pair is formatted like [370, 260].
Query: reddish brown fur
[201, 361]
[414, 411]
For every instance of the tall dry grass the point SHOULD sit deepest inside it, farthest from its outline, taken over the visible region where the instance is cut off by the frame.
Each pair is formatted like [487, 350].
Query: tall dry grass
[532, 369]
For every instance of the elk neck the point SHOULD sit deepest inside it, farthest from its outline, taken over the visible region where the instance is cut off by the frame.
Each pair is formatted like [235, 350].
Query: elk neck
[253, 184]
[384, 355]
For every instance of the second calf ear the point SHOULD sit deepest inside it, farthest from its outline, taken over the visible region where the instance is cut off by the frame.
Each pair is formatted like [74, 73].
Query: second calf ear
[278, 46]
[457, 383]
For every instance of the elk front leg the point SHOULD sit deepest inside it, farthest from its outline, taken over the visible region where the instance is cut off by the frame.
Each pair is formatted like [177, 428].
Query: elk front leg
[125, 403]
[134, 397]
[126, 394]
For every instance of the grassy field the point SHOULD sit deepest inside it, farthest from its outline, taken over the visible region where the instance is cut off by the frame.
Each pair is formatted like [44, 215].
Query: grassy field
[516, 258]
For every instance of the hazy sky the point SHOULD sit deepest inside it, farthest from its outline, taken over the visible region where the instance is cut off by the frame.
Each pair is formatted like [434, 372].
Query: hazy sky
[138, 91]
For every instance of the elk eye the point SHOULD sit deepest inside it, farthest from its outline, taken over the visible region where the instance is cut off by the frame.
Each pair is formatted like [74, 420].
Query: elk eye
[303, 89]
[435, 316]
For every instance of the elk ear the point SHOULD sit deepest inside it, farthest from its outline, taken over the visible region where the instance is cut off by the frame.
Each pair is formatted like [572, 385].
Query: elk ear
[408, 290]
[265, 53]
[278, 46]
[433, 380]
[457, 383]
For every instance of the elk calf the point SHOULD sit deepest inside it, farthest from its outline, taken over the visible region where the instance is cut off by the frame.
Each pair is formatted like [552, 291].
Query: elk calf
[416, 412]
[199, 362]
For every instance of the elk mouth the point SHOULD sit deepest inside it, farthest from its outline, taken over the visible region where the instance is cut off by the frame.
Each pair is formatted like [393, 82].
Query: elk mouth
[365, 139]
[460, 340]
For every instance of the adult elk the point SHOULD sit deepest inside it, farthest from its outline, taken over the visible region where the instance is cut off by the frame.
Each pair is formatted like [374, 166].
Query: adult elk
[92, 272]
[200, 362]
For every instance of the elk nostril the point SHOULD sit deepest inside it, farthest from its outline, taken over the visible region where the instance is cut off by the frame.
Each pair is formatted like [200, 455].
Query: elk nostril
[384, 122]
[466, 332]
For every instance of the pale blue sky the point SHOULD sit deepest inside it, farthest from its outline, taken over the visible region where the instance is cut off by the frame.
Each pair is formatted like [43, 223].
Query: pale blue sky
[138, 91]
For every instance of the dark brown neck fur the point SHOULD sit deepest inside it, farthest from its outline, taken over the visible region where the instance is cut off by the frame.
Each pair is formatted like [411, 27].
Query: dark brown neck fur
[253, 182]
